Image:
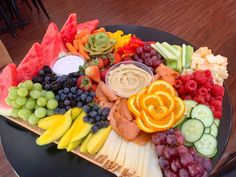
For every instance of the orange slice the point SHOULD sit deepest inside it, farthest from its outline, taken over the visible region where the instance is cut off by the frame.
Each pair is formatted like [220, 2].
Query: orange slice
[144, 127]
[138, 96]
[161, 85]
[132, 106]
[168, 99]
[162, 125]
[179, 110]
[158, 113]
[150, 99]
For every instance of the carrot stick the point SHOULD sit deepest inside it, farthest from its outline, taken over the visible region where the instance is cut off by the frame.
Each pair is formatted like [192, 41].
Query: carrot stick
[70, 48]
[81, 34]
[75, 44]
[99, 30]
[84, 39]
[82, 51]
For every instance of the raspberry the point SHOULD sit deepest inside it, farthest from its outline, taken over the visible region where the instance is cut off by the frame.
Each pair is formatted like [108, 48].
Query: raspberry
[182, 91]
[190, 86]
[207, 97]
[218, 114]
[199, 99]
[217, 90]
[200, 77]
[185, 78]
[212, 108]
[202, 91]
[207, 85]
[217, 104]
[208, 75]
[187, 97]
[220, 98]
[178, 83]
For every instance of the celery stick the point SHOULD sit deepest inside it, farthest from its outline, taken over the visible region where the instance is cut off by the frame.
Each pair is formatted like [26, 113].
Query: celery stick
[183, 55]
[172, 64]
[189, 53]
[158, 50]
[179, 61]
[164, 51]
[172, 50]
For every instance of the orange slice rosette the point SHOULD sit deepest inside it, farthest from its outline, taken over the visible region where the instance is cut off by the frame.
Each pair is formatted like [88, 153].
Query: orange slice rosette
[144, 127]
[179, 110]
[163, 86]
[168, 99]
[150, 99]
[158, 113]
[132, 106]
[138, 96]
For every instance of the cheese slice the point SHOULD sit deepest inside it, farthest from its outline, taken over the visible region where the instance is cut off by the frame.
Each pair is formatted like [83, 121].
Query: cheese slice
[154, 167]
[141, 159]
[120, 159]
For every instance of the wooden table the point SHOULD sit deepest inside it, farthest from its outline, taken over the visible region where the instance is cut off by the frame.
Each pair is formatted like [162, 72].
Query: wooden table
[203, 23]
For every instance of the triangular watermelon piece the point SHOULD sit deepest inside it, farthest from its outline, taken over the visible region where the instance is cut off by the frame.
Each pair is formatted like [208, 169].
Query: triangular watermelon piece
[88, 25]
[8, 78]
[33, 63]
[52, 45]
[69, 29]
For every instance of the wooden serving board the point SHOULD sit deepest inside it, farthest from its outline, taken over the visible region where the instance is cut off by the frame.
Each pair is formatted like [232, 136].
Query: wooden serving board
[40, 131]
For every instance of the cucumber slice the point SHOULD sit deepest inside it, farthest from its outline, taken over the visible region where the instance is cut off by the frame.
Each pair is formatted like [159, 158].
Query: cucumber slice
[217, 122]
[186, 143]
[192, 129]
[172, 50]
[206, 145]
[214, 153]
[203, 113]
[189, 104]
[214, 130]
[207, 130]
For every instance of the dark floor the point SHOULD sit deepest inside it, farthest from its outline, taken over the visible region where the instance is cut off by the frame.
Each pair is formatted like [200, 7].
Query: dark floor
[203, 23]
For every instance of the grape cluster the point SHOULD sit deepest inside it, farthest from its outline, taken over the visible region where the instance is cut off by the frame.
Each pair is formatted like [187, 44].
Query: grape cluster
[175, 159]
[97, 116]
[30, 102]
[147, 55]
[51, 81]
[72, 97]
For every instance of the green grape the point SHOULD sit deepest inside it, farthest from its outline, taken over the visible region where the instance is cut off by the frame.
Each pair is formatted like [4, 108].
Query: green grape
[37, 86]
[21, 100]
[42, 101]
[14, 112]
[33, 120]
[15, 105]
[22, 92]
[52, 104]
[24, 113]
[50, 95]
[35, 94]
[43, 92]
[50, 112]
[30, 103]
[28, 84]
[40, 112]
[8, 101]
[12, 93]
[21, 85]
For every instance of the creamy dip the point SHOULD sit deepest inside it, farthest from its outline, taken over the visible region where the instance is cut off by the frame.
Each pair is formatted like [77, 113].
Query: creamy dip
[128, 79]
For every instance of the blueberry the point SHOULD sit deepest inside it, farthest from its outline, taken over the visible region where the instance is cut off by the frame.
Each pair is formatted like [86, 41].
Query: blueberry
[98, 117]
[74, 79]
[79, 92]
[68, 107]
[100, 112]
[93, 114]
[105, 124]
[92, 94]
[104, 117]
[60, 92]
[47, 78]
[105, 111]
[76, 74]
[86, 93]
[83, 97]
[41, 73]
[66, 90]
[91, 120]
[86, 108]
[57, 97]
[86, 118]
[63, 96]
[94, 128]
[73, 89]
[79, 104]
[70, 95]
[95, 107]
[67, 102]
[78, 98]
[47, 87]
[56, 111]
[89, 99]
[62, 111]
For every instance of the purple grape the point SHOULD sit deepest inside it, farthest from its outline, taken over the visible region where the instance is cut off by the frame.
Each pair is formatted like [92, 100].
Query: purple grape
[192, 151]
[175, 165]
[135, 57]
[144, 56]
[198, 158]
[180, 139]
[169, 173]
[139, 60]
[164, 164]
[186, 159]
[148, 62]
[159, 138]
[182, 150]
[195, 169]
[159, 56]
[139, 50]
[177, 132]
[183, 172]
[153, 52]
[207, 164]
[159, 150]
[170, 153]
[205, 174]
[154, 58]
[147, 47]
[171, 140]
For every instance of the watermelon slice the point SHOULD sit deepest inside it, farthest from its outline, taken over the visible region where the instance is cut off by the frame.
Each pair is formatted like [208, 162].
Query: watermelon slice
[8, 78]
[52, 45]
[31, 64]
[69, 29]
[88, 25]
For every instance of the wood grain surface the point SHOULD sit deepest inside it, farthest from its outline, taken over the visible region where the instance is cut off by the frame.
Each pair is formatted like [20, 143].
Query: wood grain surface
[203, 23]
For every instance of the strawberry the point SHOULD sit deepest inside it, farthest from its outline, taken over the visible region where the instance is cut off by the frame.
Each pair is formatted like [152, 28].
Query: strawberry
[94, 88]
[84, 83]
[93, 73]
[106, 62]
[98, 62]
[103, 73]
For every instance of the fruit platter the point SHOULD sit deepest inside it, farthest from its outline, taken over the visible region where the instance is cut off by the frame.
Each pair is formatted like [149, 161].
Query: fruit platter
[122, 97]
